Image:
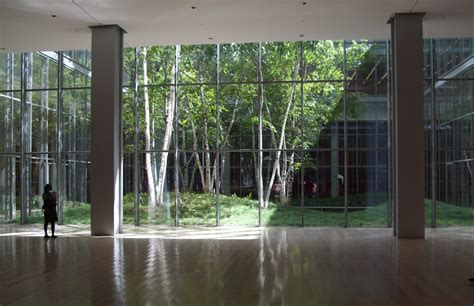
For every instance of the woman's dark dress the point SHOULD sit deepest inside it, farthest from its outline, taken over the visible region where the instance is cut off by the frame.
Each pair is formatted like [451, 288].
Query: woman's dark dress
[49, 206]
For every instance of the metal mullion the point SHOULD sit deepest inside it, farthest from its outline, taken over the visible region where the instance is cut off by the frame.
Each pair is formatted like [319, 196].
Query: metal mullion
[302, 133]
[11, 211]
[234, 83]
[73, 175]
[29, 114]
[434, 150]
[340, 207]
[176, 137]
[24, 131]
[136, 202]
[76, 88]
[260, 129]
[11, 91]
[42, 89]
[217, 156]
[346, 158]
[74, 152]
[40, 152]
[389, 132]
[59, 127]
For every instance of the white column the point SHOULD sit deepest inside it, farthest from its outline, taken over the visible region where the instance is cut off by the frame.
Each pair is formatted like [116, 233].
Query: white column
[106, 130]
[408, 123]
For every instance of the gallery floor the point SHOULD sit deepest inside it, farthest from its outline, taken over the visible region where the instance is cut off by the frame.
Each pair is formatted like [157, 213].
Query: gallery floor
[235, 266]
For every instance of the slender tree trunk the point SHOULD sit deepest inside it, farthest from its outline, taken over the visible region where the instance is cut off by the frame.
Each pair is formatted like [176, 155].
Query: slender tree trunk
[184, 171]
[170, 110]
[197, 158]
[193, 175]
[286, 172]
[148, 157]
[225, 141]
[255, 163]
[287, 179]
[207, 154]
[282, 138]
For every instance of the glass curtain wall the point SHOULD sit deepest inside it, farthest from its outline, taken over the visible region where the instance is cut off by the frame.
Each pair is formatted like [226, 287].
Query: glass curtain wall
[284, 133]
[449, 110]
[45, 119]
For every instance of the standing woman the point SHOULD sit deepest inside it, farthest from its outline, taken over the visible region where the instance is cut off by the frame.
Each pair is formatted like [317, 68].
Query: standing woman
[49, 207]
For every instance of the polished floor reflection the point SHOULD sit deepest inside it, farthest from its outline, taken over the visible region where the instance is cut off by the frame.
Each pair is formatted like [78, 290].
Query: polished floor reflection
[235, 266]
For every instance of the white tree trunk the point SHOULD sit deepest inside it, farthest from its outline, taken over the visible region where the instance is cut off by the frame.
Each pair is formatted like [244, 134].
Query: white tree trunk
[148, 161]
[170, 109]
[207, 154]
[282, 140]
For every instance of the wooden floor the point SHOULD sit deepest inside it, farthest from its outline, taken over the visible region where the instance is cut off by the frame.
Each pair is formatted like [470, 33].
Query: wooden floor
[235, 266]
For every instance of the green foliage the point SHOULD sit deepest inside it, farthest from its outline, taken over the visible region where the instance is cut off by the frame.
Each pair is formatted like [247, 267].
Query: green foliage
[199, 209]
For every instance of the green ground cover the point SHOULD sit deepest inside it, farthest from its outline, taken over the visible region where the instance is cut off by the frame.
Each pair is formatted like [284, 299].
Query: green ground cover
[199, 209]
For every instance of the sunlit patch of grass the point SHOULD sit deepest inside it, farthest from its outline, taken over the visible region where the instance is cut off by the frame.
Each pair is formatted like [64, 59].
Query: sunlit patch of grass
[200, 209]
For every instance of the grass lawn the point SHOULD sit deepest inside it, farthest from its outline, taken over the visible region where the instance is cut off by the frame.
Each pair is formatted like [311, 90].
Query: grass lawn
[199, 209]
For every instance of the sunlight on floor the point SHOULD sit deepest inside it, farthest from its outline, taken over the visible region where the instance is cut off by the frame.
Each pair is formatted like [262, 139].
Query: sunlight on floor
[142, 232]
[217, 233]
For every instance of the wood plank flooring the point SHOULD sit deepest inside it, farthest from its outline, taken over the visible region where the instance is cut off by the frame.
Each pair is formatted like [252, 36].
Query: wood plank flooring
[235, 266]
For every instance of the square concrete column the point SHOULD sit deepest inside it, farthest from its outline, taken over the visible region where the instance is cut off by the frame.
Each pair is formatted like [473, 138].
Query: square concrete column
[106, 130]
[408, 124]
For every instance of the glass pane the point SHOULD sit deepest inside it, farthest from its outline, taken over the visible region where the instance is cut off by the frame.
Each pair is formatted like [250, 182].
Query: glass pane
[324, 115]
[76, 120]
[238, 62]
[128, 120]
[42, 170]
[9, 188]
[43, 121]
[367, 67]
[10, 71]
[454, 113]
[239, 192]
[10, 122]
[75, 75]
[76, 188]
[281, 112]
[368, 188]
[451, 55]
[198, 64]
[197, 203]
[324, 188]
[281, 61]
[197, 117]
[156, 65]
[43, 72]
[314, 216]
[238, 117]
[79, 57]
[455, 205]
[77, 68]
[323, 60]
[281, 173]
[156, 189]
[128, 189]
[128, 67]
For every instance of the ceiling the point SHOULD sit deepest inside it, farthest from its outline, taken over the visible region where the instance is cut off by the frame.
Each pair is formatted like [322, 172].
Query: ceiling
[30, 25]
